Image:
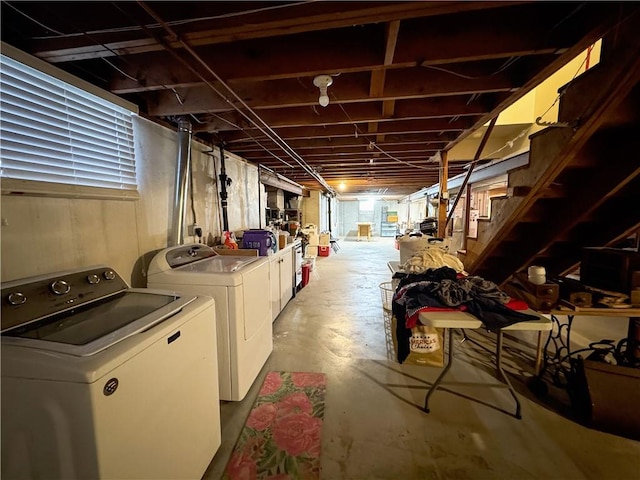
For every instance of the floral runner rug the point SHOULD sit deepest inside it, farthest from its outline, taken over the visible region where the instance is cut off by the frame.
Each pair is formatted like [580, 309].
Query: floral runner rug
[281, 438]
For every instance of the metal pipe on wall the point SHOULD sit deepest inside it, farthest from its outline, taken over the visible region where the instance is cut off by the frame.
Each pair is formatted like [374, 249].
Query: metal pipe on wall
[329, 213]
[224, 181]
[260, 209]
[182, 182]
[256, 121]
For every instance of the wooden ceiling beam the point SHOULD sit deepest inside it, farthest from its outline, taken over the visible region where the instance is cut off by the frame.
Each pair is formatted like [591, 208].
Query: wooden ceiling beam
[408, 85]
[452, 106]
[342, 51]
[433, 125]
[344, 142]
[209, 30]
[422, 155]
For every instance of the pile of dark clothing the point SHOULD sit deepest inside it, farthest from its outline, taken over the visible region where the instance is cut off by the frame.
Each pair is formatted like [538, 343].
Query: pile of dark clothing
[442, 288]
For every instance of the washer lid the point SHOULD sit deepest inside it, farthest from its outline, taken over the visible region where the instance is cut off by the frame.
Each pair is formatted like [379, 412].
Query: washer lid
[219, 264]
[92, 328]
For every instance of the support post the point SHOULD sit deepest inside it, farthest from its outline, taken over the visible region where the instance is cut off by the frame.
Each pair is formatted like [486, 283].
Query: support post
[443, 195]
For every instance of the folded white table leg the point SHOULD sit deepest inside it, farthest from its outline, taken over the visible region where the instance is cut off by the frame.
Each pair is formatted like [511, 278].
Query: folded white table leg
[542, 324]
[503, 375]
[447, 321]
[462, 320]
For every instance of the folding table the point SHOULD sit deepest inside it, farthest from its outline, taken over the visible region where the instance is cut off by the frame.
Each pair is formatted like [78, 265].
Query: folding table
[450, 320]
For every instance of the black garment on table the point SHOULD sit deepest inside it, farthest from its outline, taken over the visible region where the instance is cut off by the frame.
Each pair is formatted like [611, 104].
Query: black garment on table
[438, 288]
[495, 315]
[431, 275]
[403, 334]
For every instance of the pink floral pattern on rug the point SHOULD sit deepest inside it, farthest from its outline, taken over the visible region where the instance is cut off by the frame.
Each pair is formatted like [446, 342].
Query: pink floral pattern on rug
[282, 436]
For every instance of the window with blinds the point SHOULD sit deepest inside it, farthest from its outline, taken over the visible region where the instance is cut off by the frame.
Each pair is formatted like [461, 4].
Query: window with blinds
[57, 139]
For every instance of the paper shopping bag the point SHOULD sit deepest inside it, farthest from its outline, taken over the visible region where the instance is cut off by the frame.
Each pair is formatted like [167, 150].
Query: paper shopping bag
[426, 345]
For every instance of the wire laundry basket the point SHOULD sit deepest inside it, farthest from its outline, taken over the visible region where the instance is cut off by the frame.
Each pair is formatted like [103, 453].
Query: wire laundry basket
[387, 289]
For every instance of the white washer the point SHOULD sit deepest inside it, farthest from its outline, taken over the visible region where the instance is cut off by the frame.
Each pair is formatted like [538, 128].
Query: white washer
[241, 288]
[103, 381]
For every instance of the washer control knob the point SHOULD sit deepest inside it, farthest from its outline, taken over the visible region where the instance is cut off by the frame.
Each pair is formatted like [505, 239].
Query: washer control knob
[60, 287]
[93, 279]
[17, 298]
[109, 275]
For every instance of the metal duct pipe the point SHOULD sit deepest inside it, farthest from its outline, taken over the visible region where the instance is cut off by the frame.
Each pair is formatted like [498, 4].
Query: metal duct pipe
[182, 182]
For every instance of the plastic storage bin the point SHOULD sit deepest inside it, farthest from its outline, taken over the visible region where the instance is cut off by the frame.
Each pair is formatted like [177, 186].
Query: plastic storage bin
[310, 260]
[262, 240]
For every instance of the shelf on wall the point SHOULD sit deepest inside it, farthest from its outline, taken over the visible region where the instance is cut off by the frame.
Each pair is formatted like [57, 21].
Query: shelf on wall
[388, 229]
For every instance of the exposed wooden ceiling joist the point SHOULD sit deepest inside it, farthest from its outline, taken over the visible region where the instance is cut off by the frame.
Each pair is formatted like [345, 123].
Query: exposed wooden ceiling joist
[410, 79]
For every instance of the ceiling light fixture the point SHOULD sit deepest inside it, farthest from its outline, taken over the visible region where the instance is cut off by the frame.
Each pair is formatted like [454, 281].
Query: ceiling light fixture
[322, 82]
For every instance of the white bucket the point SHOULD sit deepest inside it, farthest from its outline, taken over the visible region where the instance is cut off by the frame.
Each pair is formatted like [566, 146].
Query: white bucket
[537, 275]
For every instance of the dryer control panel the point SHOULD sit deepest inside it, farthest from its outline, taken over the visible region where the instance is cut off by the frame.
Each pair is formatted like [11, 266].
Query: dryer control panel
[185, 254]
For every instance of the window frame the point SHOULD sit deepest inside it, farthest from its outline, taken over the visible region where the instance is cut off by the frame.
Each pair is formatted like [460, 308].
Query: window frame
[106, 159]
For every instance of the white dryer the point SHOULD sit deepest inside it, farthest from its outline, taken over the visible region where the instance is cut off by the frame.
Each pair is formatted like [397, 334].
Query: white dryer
[241, 289]
[103, 381]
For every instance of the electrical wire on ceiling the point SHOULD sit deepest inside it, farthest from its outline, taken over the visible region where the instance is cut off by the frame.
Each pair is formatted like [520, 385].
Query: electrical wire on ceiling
[559, 96]
[222, 119]
[508, 144]
[59, 34]
[568, 16]
[196, 119]
[274, 137]
[256, 121]
[166, 87]
[97, 42]
[122, 72]
[373, 144]
[172, 23]
[510, 61]
[267, 150]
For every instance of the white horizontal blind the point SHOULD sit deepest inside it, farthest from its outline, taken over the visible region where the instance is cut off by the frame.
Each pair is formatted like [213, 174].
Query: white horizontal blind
[54, 132]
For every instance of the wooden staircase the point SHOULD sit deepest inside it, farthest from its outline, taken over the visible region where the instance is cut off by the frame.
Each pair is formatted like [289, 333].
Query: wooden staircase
[582, 185]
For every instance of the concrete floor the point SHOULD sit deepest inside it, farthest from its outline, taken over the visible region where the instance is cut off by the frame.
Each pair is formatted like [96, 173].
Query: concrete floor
[374, 426]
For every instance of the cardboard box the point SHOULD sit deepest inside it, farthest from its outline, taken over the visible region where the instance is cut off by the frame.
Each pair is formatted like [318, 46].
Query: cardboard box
[314, 239]
[243, 252]
[238, 252]
[311, 251]
[614, 393]
[324, 239]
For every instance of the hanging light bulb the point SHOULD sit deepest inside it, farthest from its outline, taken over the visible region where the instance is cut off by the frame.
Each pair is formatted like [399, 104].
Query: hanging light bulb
[324, 98]
[322, 82]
